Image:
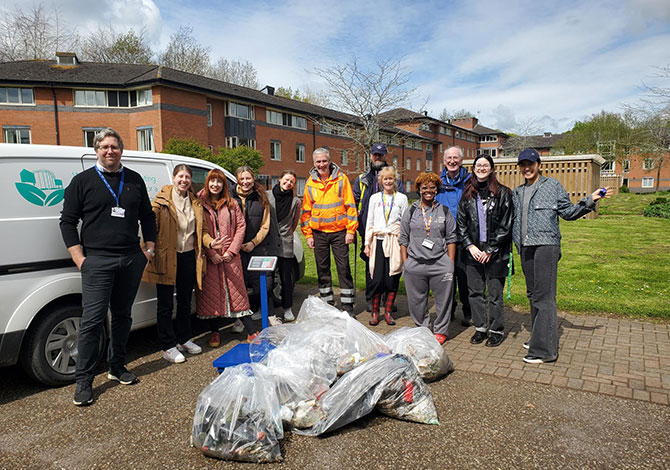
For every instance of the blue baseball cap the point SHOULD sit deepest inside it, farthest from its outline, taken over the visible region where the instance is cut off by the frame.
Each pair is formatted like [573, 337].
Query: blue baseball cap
[378, 148]
[529, 154]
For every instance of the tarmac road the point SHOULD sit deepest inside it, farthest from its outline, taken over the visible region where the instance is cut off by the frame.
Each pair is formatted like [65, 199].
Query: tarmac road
[485, 421]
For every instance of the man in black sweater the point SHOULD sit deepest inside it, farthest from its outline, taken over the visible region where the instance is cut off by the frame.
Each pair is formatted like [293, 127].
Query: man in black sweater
[110, 200]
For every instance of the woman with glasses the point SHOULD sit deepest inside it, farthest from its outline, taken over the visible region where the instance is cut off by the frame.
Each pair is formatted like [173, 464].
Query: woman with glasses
[485, 228]
[428, 248]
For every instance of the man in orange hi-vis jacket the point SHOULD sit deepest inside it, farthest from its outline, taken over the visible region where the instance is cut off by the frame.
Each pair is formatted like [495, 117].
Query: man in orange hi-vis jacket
[329, 221]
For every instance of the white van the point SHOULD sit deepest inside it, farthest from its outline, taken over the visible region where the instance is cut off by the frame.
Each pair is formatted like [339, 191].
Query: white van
[40, 288]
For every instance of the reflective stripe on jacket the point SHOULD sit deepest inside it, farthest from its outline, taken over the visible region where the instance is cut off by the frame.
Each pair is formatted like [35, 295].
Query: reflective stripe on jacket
[328, 206]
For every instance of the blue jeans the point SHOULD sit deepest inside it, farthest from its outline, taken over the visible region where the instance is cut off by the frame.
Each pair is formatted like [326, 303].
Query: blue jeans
[540, 266]
[106, 282]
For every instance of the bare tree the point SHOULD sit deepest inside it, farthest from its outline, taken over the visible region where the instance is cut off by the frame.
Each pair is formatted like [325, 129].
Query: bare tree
[447, 115]
[34, 33]
[652, 121]
[109, 46]
[367, 95]
[306, 95]
[185, 53]
[239, 72]
[522, 135]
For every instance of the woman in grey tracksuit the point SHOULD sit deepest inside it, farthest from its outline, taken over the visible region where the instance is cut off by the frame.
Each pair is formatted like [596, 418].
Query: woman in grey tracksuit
[537, 205]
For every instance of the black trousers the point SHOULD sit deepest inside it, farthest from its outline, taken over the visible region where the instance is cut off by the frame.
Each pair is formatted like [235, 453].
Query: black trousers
[460, 283]
[287, 268]
[381, 282]
[485, 290]
[324, 242]
[107, 282]
[167, 335]
[540, 266]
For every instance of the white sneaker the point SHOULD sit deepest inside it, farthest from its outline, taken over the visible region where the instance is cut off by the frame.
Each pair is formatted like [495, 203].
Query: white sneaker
[190, 347]
[238, 327]
[288, 315]
[256, 315]
[173, 355]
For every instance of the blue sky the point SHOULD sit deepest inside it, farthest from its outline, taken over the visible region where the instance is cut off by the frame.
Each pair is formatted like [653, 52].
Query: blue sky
[512, 63]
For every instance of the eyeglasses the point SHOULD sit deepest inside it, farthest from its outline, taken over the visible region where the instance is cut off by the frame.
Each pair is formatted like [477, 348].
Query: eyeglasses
[113, 148]
[482, 167]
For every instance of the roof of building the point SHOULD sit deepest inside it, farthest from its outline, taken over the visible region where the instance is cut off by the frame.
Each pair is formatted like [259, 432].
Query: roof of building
[483, 130]
[546, 140]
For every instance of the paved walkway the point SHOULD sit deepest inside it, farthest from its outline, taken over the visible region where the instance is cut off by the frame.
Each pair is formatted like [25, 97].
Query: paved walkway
[610, 356]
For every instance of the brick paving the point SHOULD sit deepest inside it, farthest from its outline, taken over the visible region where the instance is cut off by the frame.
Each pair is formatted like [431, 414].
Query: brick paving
[610, 356]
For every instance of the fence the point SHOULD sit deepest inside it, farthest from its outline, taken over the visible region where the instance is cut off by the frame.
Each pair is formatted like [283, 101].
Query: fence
[579, 174]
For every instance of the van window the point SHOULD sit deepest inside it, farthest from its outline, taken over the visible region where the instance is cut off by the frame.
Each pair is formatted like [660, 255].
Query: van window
[198, 179]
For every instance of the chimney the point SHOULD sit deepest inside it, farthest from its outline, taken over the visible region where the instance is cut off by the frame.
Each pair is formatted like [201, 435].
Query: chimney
[269, 90]
[425, 113]
[66, 58]
[547, 134]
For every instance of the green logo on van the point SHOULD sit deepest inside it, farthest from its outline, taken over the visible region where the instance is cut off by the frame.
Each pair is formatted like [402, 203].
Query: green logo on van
[40, 187]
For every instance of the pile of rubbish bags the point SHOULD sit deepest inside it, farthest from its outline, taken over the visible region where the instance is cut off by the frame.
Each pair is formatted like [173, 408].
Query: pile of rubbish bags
[312, 377]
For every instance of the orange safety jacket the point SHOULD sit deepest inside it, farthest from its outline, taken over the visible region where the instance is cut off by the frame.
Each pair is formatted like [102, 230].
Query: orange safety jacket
[328, 206]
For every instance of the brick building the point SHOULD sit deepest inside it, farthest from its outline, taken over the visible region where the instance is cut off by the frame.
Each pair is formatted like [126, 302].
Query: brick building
[65, 102]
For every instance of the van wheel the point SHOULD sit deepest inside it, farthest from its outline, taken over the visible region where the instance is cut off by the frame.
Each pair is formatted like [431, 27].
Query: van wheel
[50, 351]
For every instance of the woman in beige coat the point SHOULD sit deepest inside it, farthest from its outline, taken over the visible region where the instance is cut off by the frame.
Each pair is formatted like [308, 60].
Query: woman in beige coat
[178, 262]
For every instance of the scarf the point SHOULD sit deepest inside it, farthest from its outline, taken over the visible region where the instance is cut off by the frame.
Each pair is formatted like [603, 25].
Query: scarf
[483, 189]
[283, 200]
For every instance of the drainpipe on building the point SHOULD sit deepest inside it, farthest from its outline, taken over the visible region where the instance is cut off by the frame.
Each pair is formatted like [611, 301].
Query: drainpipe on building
[402, 157]
[313, 138]
[53, 93]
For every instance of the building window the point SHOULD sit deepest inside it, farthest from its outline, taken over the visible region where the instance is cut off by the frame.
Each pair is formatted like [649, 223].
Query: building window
[300, 186]
[89, 135]
[626, 166]
[299, 122]
[648, 164]
[408, 186]
[300, 153]
[16, 134]
[12, 95]
[240, 110]
[494, 152]
[209, 115]
[408, 164]
[234, 142]
[145, 139]
[418, 164]
[275, 150]
[424, 127]
[395, 140]
[273, 117]
[325, 128]
[429, 165]
[647, 182]
[345, 158]
[113, 98]
[608, 167]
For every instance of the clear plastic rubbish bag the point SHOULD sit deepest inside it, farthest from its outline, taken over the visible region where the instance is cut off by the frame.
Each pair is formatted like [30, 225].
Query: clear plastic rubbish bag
[336, 334]
[390, 382]
[420, 345]
[237, 416]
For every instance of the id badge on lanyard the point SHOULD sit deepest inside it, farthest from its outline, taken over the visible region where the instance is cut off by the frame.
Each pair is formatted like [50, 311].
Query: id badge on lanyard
[117, 211]
[428, 243]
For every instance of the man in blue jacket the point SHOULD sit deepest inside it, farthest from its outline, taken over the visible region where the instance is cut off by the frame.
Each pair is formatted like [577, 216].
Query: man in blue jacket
[454, 177]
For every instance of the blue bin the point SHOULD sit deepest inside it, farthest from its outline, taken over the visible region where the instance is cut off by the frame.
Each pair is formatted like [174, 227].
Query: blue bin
[240, 355]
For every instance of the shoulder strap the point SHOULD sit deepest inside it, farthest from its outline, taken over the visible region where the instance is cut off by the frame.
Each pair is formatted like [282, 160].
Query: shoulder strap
[412, 209]
[362, 188]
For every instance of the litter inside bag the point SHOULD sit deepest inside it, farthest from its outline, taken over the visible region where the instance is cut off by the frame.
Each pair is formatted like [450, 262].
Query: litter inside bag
[390, 382]
[237, 416]
[336, 334]
[420, 345]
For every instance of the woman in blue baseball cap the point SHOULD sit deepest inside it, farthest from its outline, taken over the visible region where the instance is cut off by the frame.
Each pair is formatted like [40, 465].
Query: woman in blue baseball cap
[538, 203]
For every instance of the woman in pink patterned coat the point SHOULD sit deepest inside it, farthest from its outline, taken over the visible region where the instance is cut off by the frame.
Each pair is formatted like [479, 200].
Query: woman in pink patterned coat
[223, 291]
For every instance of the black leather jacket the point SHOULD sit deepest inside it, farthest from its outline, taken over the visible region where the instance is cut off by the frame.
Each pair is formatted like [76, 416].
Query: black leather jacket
[499, 218]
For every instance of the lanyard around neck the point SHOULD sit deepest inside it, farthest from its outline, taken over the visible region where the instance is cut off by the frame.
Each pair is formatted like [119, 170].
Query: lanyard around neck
[104, 180]
[387, 214]
[427, 223]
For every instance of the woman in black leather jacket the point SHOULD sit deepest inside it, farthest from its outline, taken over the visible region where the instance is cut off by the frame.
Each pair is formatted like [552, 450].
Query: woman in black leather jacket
[485, 226]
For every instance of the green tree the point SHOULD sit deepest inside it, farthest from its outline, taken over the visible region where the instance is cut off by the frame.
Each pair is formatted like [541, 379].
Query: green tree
[187, 148]
[185, 53]
[611, 134]
[306, 96]
[232, 159]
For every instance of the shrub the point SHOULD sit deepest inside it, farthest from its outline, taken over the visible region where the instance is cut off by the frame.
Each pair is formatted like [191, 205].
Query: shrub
[624, 189]
[660, 207]
[187, 148]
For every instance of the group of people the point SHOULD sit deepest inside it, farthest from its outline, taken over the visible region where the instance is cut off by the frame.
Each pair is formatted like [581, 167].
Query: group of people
[456, 237]
[202, 240]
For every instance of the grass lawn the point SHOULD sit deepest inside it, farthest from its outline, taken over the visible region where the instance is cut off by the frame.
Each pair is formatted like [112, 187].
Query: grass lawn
[616, 264]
